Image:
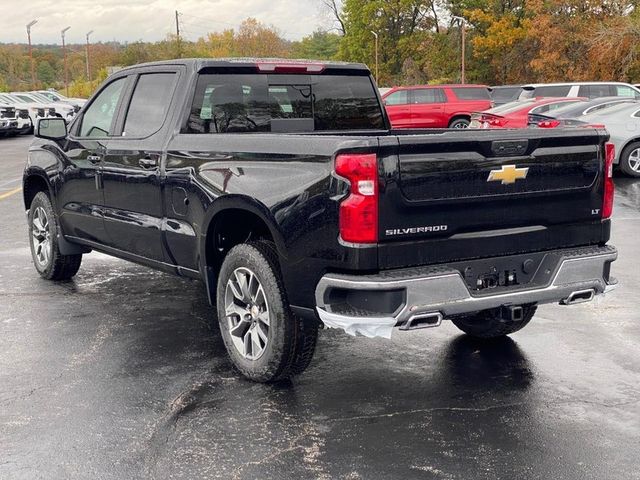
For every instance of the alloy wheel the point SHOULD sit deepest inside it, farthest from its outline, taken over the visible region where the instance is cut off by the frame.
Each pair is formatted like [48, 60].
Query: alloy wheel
[247, 313]
[634, 160]
[41, 237]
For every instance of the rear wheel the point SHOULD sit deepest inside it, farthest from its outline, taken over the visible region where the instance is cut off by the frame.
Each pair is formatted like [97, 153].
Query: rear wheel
[264, 339]
[43, 239]
[460, 123]
[493, 323]
[630, 159]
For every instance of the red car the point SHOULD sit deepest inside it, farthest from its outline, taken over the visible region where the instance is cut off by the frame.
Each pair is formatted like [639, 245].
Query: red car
[518, 114]
[435, 106]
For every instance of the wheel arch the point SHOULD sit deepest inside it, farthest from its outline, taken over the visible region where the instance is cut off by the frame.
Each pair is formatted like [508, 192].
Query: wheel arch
[251, 220]
[459, 116]
[625, 145]
[35, 181]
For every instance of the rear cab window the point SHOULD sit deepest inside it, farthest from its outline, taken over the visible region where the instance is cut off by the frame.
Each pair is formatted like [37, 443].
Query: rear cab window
[256, 102]
[471, 93]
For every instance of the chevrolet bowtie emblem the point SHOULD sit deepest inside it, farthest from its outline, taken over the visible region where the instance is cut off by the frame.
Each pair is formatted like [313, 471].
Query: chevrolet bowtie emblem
[508, 174]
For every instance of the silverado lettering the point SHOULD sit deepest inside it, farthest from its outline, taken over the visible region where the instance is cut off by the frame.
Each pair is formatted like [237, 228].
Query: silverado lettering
[406, 231]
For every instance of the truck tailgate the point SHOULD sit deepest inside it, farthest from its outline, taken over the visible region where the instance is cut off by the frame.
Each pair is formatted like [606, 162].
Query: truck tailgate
[452, 195]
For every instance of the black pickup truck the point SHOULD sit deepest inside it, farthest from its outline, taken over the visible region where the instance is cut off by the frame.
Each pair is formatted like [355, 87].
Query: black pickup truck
[281, 186]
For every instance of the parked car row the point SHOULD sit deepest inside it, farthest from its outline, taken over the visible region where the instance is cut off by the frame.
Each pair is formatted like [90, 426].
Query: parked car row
[614, 106]
[620, 116]
[451, 106]
[19, 111]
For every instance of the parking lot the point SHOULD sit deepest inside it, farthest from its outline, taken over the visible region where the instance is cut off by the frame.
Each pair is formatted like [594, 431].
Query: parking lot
[121, 373]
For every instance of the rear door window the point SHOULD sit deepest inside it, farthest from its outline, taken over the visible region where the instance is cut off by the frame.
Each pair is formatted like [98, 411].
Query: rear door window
[149, 104]
[427, 95]
[471, 93]
[245, 103]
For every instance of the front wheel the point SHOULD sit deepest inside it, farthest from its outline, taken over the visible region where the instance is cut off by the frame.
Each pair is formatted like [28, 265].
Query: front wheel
[264, 339]
[493, 323]
[43, 239]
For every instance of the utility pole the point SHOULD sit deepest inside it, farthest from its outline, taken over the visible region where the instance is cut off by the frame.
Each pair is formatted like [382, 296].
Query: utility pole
[178, 35]
[87, 56]
[64, 53]
[33, 68]
[463, 23]
[375, 34]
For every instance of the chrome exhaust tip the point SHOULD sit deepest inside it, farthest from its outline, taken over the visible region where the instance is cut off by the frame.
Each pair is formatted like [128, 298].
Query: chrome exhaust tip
[423, 320]
[580, 296]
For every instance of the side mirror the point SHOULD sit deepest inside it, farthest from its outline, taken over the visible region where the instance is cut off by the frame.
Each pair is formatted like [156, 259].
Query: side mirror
[51, 128]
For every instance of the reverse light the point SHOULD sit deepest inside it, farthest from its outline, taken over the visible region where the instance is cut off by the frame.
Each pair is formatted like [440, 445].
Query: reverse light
[609, 187]
[359, 211]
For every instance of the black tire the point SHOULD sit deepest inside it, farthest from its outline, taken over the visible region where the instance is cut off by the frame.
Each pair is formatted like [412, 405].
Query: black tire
[460, 123]
[626, 161]
[291, 340]
[57, 266]
[491, 323]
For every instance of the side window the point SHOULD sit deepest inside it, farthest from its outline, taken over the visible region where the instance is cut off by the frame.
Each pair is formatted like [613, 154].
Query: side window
[552, 91]
[397, 98]
[556, 106]
[96, 121]
[540, 109]
[624, 91]
[595, 91]
[428, 95]
[471, 93]
[149, 104]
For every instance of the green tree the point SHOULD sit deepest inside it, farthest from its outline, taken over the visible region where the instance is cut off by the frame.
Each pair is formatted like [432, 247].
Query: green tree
[402, 27]
[319, 45]
[46, 74]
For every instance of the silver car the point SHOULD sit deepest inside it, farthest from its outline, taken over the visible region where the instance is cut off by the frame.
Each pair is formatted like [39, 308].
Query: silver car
[623, 123]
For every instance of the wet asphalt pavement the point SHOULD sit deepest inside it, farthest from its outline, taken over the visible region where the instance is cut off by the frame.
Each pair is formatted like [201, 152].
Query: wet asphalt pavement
[120, 375]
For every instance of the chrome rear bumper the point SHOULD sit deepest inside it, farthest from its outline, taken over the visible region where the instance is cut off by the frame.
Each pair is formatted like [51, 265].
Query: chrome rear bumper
[427, 292]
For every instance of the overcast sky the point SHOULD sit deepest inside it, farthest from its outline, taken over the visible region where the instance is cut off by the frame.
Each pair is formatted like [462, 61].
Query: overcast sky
[150, 20]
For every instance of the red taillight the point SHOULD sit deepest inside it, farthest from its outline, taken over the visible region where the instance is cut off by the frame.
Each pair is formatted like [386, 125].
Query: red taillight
[549, 124]
[359, 211]
[488, 121]
[609, 188]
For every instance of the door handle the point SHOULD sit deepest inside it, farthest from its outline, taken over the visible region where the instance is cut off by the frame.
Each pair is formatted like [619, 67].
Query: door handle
[148, 162]
[94, 158]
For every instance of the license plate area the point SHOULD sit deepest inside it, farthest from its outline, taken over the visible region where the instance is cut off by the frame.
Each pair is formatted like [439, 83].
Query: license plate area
[484, 276]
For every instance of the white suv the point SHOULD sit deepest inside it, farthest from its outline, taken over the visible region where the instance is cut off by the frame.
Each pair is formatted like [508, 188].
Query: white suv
[580, 89]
